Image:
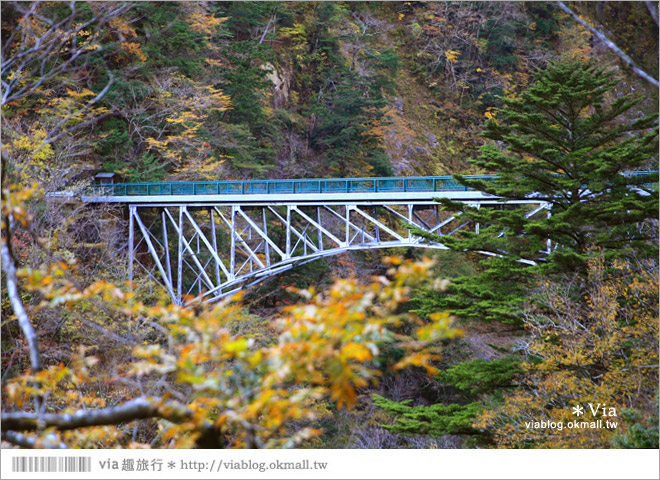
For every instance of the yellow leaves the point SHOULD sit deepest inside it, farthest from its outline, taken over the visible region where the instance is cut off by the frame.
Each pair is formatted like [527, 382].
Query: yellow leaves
[157, 144]
[439, 329]
[56, 110]
[452, 55]
[22, 143]
[490, 113]
[92, 46]
[355, 351]
[596, 350]
[236, 347]
[31, 147]
[191, 105]
[214, 62]
[183, 118]
[85, 92]
[419, 359]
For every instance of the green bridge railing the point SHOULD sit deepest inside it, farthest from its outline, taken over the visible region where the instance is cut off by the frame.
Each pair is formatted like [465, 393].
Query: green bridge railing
[326, 185]
[246, 187]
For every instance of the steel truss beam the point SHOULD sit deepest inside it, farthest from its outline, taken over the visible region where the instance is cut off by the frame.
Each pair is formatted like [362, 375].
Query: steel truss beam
[204, 252]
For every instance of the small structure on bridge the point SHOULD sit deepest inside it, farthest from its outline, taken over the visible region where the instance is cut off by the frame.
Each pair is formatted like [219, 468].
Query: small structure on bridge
[105, 178]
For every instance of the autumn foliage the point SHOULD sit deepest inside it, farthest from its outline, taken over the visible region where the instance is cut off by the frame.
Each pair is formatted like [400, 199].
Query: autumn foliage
[601, 349]
[207, 385]
[344, 351]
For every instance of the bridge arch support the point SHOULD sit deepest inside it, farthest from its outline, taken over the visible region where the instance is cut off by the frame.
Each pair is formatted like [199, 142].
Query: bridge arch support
[207, 251]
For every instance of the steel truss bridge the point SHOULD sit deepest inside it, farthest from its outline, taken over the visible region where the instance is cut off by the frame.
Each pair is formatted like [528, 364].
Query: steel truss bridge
[203, 241]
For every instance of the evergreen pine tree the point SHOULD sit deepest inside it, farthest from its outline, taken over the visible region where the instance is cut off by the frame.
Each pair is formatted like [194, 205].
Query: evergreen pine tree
[564, 142]
[568, 144]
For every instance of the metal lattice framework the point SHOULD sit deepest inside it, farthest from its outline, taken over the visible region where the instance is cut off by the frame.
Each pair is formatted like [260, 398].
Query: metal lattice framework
[205, 240]
[206, 251]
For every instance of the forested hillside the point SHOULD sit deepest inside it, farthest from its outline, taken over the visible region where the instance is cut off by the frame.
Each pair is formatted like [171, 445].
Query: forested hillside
[375, 349]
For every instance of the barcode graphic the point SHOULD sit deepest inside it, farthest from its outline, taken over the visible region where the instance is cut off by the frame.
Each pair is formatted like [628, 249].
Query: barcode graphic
[51, 464]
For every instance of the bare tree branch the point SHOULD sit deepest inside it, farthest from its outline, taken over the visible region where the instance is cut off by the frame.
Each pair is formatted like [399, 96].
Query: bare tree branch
[653, 10]
[17, 305]
[263, 37]
[612, 46]
[53, 135]
[137, 409]
[30, 442]
[34, 60]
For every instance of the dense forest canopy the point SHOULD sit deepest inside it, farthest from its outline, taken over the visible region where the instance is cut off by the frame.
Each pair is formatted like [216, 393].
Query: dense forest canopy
[557, 98]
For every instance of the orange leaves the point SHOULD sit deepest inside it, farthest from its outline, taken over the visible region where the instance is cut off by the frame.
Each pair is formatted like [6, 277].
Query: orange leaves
[123, 28]
[355, 351]
[419, 359]
[133, 49]
[206, 25]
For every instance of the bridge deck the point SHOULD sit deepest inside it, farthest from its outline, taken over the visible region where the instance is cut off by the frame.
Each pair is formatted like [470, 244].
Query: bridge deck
[306, 198]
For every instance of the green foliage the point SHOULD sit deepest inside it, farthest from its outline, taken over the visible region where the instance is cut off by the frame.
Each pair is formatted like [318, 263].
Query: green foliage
[432, 420]
[115, 139]
[546, 22]
[565, 142]
[247, 18]
[148, 168]
[481, 376]
[567, 145]
[500, 43]
[497, 293]
[643, 432]
[343, 131]
[169, 40]
[481, 382]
